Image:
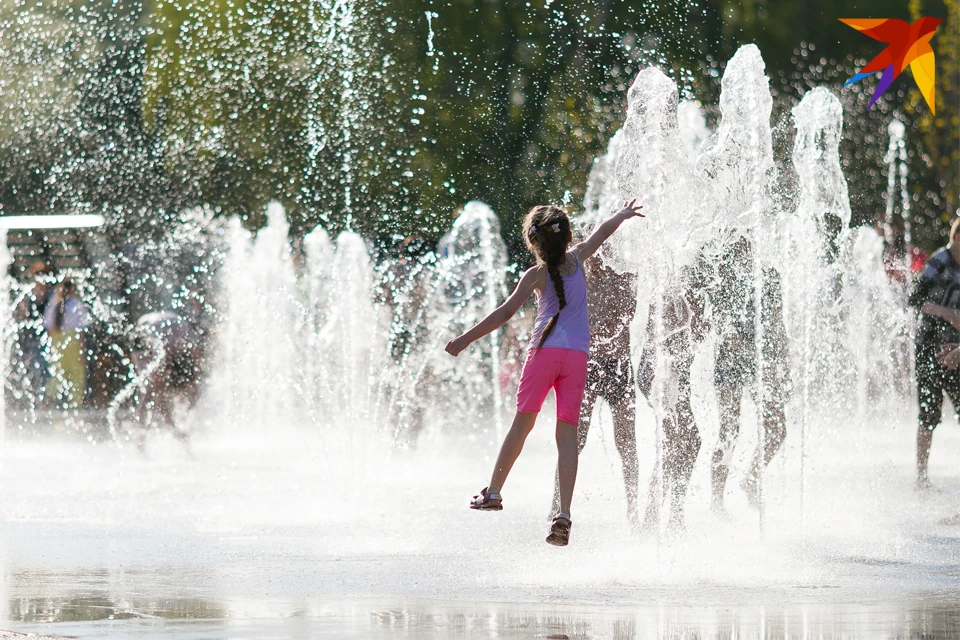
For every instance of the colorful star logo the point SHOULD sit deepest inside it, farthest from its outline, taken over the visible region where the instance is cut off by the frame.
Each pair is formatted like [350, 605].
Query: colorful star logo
[909, 44]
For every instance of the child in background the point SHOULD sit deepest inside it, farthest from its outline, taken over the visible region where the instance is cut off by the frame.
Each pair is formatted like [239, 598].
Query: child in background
[558, 351]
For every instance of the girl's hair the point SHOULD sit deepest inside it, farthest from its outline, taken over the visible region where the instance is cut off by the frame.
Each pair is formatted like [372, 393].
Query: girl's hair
[546, 232]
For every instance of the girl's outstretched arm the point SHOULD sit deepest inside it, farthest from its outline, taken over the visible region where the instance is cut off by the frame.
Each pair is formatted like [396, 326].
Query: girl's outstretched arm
[499, 316]
[589, 246]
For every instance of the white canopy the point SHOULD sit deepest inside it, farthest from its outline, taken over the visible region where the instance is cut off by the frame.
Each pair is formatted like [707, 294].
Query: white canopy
[53, 221]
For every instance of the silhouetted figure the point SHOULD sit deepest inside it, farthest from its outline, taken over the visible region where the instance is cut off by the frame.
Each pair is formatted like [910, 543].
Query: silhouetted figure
[28, 313]
[728, 273]
[674, 327]
[612, 303]
[168, 358]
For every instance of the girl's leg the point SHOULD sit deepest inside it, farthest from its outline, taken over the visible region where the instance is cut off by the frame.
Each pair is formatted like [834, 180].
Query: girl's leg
[511, 448]
[569, 387]
[586, 416]
[566, 462]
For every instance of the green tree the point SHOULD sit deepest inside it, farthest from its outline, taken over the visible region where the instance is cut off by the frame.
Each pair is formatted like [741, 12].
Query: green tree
[386, 117]
[939, 154]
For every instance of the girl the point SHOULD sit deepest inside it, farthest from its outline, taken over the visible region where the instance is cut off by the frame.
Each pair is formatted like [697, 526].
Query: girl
[557, 356]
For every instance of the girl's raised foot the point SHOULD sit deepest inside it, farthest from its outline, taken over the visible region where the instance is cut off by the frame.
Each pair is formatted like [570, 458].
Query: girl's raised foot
[487, 501]
[560, 530]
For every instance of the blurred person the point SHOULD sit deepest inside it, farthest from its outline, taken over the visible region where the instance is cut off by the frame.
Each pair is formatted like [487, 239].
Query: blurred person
[107, 366]
[949, 354]
[612, 304]
[727, 272]
[66, 319]
[403, 291]
[405, 288]
[936, 293]
[168, 358]
[558, 352]
[669, 352]
[28, 314]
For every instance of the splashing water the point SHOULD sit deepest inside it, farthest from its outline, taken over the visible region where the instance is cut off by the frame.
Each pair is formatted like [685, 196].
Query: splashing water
[336, 40]
[351, 336]
[346, 352]
[348, 343]
[693, 127]
[258, 355]
[651, 166]
[473, 263]
[602, 194]
[897, 192]
[737, 160]
[836, 299]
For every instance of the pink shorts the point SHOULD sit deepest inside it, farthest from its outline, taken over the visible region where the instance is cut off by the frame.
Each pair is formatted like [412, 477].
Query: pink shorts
[564, 371]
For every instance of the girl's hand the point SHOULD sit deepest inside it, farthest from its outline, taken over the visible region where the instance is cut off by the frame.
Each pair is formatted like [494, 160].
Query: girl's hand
[455, 346]
[631, 210]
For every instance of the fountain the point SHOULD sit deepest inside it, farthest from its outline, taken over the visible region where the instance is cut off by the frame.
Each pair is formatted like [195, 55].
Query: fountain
[897, 192]
[257, 354]
[348, 343]
[351, 335]
[844, 328]
[473, 263]
[693, 127]
[339, 442]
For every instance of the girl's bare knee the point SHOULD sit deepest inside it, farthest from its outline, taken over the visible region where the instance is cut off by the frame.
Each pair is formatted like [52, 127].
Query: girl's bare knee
[566, 432]
[523, 422]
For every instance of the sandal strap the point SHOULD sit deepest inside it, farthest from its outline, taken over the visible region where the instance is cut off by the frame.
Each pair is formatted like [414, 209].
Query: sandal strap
[483, 496]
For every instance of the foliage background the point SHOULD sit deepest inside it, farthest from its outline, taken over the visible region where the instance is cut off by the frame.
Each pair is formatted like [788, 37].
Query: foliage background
[388, 116]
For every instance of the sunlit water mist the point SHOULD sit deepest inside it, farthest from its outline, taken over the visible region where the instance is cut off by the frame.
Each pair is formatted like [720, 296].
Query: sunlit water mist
[473, 262]
[329, 370]
[7, 335]
[846, 329]
[351, 351]
[897, 198]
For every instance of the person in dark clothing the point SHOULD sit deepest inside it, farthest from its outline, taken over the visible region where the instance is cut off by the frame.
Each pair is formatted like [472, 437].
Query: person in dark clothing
[28, 314]
[936, 292]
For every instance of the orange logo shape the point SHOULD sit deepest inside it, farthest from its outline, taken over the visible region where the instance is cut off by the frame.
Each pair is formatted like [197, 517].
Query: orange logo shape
[908, 44]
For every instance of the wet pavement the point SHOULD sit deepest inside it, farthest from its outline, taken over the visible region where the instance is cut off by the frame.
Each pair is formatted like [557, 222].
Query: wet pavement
[282, 539]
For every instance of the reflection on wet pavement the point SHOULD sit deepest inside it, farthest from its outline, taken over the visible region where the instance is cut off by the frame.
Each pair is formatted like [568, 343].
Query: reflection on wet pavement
[96, 615]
